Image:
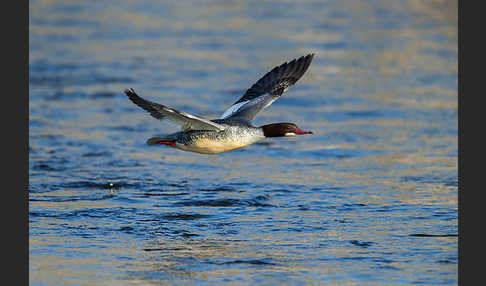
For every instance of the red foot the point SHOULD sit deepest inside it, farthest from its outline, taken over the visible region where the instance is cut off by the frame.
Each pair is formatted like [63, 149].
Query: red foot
[168, 143]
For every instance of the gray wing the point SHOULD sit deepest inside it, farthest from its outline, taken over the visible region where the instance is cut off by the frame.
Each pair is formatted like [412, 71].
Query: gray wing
[268, 89]
[185, 120]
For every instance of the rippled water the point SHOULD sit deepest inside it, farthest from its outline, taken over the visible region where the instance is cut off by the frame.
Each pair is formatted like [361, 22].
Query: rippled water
[369, 199]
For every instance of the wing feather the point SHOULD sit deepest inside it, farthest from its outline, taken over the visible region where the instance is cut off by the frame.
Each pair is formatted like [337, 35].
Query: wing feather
[268, 88]
[185, 120]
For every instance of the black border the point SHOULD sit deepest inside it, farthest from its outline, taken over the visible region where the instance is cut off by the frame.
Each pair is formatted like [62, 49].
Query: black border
[15, 141]
[470, 139]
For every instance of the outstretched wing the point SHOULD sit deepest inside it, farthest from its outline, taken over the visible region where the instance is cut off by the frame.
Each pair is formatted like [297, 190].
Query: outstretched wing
[185, 120]
[268, 89]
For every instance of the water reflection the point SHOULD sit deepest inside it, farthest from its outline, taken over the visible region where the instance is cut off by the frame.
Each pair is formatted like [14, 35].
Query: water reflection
[369, 198]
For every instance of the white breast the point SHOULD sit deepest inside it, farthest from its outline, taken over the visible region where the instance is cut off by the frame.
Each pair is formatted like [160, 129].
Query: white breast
[236, 138]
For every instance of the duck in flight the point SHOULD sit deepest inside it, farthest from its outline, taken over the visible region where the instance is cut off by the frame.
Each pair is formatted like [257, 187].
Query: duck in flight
[234, 129]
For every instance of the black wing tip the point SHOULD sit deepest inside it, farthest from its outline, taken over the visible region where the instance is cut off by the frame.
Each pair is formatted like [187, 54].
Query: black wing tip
[133, 96]
[308, 57]
[130, 91]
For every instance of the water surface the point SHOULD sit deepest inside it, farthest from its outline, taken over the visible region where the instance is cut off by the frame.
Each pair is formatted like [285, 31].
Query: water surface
[369, 199]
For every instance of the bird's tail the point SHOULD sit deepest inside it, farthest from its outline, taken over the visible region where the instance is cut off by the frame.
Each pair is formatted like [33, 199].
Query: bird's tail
[161, 141]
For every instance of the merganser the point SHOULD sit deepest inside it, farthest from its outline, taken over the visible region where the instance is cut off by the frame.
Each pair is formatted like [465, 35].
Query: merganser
[234, 129]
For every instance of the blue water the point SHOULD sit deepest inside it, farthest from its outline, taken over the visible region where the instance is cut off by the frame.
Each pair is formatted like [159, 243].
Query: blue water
[369, 199]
